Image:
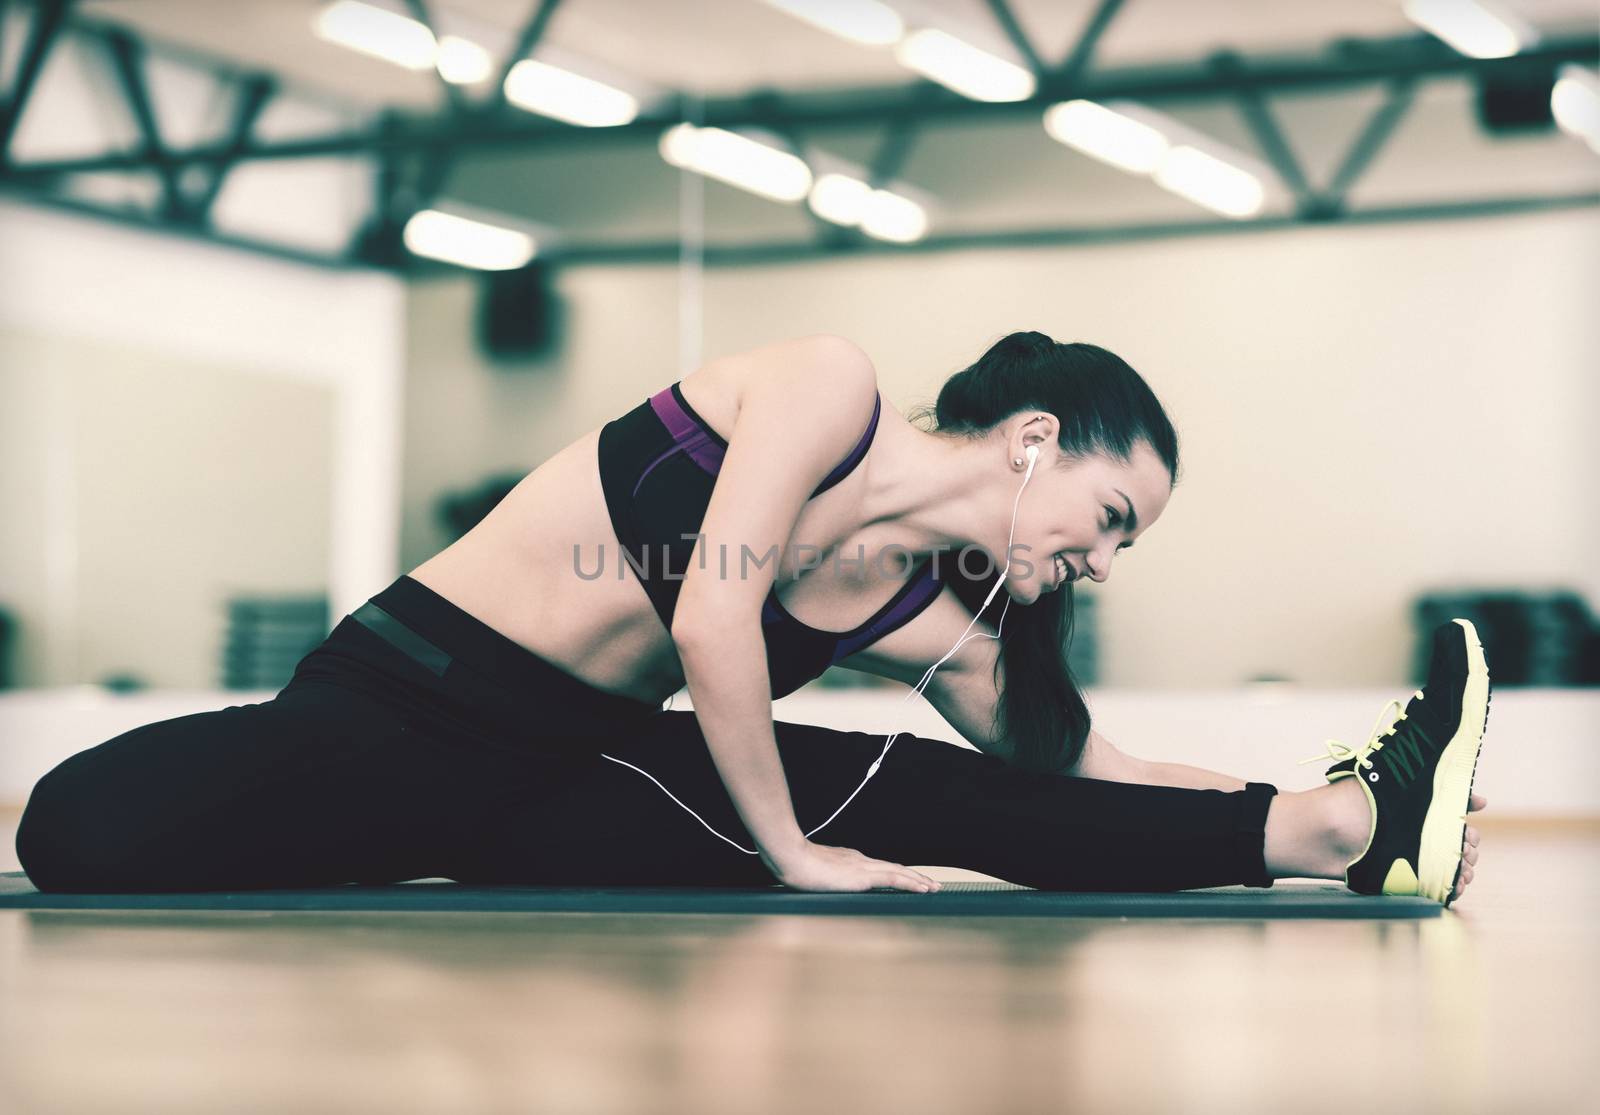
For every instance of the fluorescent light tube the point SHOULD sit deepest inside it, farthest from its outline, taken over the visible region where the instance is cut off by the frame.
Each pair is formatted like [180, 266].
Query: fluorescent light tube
[1471, 27]
[468, 243]
[963, 67]
[1109, 135]
[551, 91]
[737, 160]
[840, 199]
[867, 22]
[1575, 103]
[382, 34]
[849, 201]
[1209, 181]
[888, 216]
[462, 61]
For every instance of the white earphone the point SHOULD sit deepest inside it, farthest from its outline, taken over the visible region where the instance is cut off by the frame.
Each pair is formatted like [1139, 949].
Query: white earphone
[1032, 453]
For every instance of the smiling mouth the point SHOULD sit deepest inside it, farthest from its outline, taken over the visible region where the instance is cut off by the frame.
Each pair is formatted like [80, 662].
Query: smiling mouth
[1063, 572]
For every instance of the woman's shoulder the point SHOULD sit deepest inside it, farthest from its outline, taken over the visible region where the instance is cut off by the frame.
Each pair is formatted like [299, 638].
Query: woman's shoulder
[803, 367]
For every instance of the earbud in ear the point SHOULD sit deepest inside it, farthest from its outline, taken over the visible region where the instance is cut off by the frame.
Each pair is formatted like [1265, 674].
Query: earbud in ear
[1033, 453]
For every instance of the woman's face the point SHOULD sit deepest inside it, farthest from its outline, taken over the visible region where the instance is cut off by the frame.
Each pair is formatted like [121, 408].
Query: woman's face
[1085, 511]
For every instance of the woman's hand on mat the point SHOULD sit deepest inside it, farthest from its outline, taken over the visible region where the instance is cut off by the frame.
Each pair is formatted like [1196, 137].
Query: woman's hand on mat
[825, 867]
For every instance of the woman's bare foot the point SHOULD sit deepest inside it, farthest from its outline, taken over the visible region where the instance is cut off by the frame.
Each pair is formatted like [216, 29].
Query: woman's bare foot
[1469, 851]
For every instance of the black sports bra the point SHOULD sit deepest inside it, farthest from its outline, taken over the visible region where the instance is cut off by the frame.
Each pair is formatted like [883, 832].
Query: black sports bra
[658, 465]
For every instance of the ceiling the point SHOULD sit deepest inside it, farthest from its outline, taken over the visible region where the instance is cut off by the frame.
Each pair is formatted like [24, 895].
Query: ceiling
[985, 173]
[730, 46]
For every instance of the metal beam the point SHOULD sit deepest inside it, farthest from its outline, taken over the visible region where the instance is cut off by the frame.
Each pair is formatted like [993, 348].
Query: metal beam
[47, 20]
[1078, 59]
[133, 219]
[127, 60]
[532, 32]
[893, 151]
[826, 235]
[1270, 137]
[1381, 125]
[900, 136]
[1394, 59]
[1019, 38]
[420, 12]
[744, 255]
[377, 242]
[252, 98]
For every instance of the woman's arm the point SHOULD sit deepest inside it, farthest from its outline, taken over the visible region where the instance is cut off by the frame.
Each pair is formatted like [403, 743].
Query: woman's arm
[802, 405]
[965, 692]
[798, 415]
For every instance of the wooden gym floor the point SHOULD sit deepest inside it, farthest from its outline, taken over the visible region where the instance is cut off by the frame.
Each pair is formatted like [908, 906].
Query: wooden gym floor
[1490, 1008]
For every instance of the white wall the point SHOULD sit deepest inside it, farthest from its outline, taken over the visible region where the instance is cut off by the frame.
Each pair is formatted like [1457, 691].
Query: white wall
[1365, 413]
[94, 313]
[142, 491]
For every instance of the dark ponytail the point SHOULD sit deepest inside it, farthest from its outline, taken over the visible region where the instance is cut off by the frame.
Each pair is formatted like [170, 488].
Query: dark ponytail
[1104, 407]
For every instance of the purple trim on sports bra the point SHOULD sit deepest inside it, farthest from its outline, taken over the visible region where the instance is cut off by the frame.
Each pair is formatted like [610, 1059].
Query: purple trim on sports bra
[900, 611]
[906, 602]
[649, 468]
[694, 436]
[856, 454]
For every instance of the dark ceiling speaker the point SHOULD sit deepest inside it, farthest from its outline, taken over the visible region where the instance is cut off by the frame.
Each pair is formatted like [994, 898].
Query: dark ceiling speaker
[518, 313]
[1516, 99]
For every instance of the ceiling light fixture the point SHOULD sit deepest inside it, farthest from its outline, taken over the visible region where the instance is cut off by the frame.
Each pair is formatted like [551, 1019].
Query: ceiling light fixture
[889, 216]
[1142, 141]
[738, 160]
[552, 91]
[1114, 135]
[962, 67]
[462, 61]
[375, 31]
[467, 243]
[1575, 103]
[839, 198]
[867, 22]
[884, 214]
[1473, 27]
[1207, 180]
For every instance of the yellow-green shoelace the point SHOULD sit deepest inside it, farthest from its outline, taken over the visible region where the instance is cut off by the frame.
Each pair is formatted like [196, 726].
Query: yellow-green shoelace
[1384, 727]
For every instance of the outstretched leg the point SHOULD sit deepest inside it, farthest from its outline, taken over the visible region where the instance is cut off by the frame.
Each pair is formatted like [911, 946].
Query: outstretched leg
[1393, 819]
[932, 803]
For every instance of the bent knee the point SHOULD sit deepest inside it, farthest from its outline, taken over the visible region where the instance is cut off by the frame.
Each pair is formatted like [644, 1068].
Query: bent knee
[67, 840]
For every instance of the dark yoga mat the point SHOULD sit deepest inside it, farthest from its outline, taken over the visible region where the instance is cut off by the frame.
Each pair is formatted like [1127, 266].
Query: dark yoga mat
[1293, 900]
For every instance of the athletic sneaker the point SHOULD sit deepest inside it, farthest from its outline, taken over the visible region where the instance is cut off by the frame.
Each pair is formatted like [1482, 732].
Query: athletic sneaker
[1417, 773]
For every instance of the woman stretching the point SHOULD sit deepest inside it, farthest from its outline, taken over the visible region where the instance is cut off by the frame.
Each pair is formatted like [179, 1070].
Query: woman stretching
[495, 716]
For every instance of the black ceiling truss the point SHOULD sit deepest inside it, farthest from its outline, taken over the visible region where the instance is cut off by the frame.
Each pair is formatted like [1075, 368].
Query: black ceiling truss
[180, 205]
[405, 185]
[48, 17]
[1399, 95]
[532, 32]
[1083, 51]
[828, 235]
[1274, 144]
[420, 12]
[127, 57]
[1019, 38]
[251, 97]
[415, 152]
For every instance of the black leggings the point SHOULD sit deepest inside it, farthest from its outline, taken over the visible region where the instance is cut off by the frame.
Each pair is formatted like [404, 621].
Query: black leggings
[441, 748]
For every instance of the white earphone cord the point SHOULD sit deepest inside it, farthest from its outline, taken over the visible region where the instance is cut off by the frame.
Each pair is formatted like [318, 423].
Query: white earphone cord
[1033, 457]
